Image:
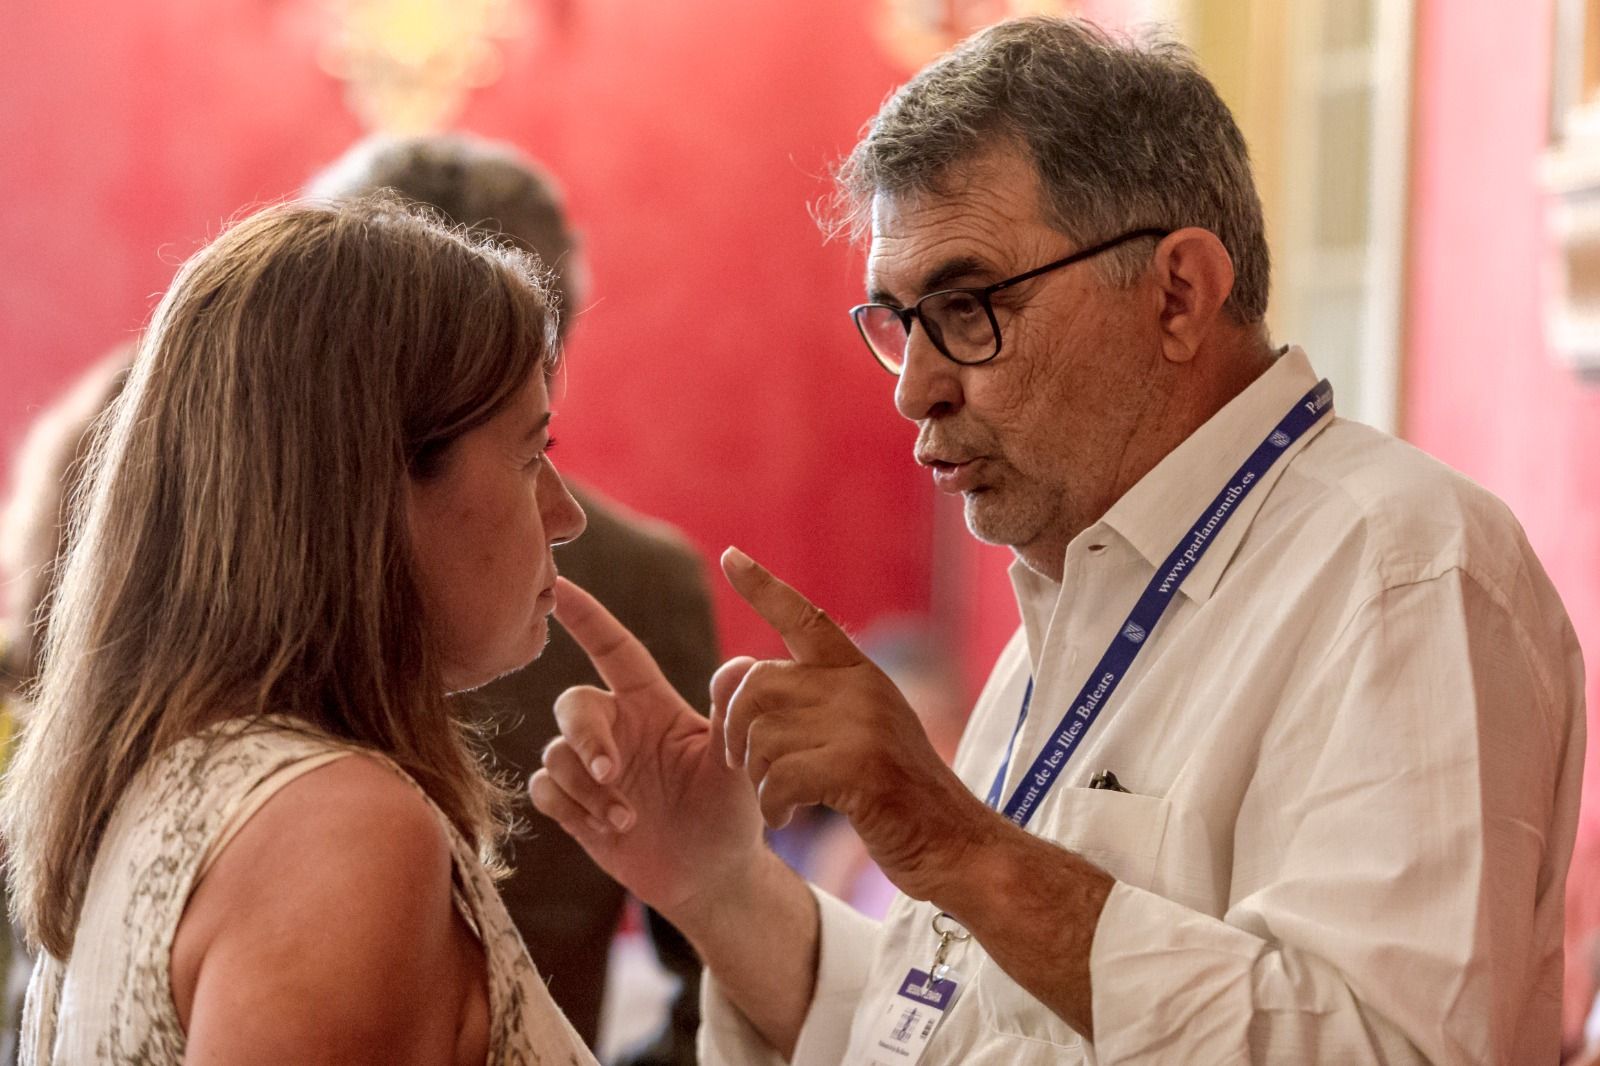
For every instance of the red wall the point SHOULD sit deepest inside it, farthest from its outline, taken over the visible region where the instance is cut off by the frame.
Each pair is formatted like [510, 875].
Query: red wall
[715, 380]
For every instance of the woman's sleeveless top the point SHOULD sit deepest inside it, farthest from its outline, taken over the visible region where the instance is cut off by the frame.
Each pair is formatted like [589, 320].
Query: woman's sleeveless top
[111, 1000]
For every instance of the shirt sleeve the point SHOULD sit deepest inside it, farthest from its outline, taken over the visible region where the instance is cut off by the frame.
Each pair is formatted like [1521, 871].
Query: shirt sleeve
[1406, 836]
[848, 941]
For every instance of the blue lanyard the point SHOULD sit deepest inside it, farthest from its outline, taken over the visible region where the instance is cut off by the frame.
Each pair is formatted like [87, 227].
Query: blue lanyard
[1141, 622]
[993, 798]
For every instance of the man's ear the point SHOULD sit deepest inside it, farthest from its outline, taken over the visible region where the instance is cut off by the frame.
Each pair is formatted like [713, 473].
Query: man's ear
[1193, 275]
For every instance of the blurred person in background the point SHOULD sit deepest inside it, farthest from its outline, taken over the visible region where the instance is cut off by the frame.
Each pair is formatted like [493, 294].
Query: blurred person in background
[1283, 762]
[643, 570]
[243, 821]
[33, 530]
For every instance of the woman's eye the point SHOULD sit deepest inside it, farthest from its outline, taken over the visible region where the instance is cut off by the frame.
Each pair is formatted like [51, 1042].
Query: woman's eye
[541, 455]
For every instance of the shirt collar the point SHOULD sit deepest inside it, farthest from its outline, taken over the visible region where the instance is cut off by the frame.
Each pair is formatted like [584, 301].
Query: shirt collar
[1036, 602]
[1155, 514]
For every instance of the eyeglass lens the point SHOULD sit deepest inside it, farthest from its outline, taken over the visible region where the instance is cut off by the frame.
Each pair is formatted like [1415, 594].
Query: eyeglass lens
[956, 323]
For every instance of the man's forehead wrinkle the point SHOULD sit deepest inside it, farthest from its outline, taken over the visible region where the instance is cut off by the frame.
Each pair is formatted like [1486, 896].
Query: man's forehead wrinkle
[909, 270]
[987, 210]
[913, 248]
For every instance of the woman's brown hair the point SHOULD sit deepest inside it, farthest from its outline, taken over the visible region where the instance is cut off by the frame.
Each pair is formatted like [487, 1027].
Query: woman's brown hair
[241, 546]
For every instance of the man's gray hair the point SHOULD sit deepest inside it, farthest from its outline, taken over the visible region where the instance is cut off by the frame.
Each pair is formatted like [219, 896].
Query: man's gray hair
[486, 186]
[1124, 134]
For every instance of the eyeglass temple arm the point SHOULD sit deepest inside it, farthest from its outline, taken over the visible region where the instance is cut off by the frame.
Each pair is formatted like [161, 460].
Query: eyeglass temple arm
[1078, 256]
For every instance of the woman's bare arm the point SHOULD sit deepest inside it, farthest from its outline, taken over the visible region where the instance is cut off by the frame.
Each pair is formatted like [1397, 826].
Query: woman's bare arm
[325, 933]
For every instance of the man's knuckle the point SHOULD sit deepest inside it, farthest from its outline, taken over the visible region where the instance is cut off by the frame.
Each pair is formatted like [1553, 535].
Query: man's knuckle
[812, 617]
[761, 737]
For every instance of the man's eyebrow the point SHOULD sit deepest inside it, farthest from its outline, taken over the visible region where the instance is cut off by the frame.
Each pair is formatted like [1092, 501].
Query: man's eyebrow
[938, 278]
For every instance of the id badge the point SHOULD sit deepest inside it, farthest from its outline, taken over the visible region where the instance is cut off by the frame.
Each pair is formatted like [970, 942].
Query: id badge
[899, 1033]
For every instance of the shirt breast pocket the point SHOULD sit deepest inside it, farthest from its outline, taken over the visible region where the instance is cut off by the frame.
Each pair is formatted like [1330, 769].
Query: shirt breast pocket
[1119, 832]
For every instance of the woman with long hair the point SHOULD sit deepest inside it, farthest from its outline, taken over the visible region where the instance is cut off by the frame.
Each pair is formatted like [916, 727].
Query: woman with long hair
[243, 824]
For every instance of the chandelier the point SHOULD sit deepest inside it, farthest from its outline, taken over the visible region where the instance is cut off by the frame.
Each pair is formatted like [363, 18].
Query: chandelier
[408, 65]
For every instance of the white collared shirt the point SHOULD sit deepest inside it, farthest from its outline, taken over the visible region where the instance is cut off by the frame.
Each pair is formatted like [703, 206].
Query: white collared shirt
[1353, 749]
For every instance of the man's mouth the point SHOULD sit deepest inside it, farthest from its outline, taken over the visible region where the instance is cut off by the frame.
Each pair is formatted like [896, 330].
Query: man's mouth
[954, 477]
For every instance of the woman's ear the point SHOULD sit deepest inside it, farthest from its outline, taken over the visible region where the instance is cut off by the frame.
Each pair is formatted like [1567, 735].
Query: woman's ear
[1193, 275]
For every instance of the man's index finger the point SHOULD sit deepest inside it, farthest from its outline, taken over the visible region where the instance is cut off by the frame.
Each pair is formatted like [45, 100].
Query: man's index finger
[809, 634]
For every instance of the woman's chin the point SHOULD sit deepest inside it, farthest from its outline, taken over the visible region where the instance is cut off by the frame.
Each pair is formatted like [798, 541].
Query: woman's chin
[465, 681]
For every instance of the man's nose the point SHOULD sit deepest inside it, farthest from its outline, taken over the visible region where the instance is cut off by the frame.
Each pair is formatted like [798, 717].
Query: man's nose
[930, 383]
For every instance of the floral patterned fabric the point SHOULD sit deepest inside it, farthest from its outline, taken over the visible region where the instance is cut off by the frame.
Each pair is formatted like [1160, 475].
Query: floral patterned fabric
[111, 1001]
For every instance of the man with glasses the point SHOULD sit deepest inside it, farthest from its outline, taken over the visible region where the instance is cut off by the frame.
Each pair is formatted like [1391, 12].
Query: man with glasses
[1282, 765]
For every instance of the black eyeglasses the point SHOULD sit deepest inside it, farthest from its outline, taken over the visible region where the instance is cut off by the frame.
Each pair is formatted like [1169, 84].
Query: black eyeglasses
[959, 322]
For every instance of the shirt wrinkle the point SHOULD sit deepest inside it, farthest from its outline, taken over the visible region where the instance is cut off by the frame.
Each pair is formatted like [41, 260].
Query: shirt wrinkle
[1317, 868]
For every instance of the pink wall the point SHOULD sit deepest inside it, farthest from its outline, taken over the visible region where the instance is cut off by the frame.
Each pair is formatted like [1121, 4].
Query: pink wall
[1482, 391]
[715, 381]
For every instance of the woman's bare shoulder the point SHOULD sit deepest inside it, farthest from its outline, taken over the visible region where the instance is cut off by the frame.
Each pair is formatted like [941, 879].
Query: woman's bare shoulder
[328, 917]
[350, 825]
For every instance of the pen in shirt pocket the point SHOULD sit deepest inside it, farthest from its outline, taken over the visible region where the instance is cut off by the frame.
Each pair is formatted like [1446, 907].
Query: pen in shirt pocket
[1105, 779]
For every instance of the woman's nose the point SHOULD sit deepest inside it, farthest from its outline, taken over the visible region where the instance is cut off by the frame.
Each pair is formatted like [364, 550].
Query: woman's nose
[564, 520]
